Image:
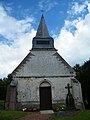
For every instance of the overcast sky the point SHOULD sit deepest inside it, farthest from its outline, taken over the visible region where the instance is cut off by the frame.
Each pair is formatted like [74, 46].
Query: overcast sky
[68, 22]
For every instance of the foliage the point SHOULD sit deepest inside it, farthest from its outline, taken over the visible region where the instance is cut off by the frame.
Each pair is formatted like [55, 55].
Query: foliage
[11, 115]
[3, 87]
[85, 81]
[60, 107]
[82, 115]
[77, 68]
[83, 75]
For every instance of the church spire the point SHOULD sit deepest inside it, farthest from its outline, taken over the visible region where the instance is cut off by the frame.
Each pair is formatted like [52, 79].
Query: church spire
[42, 38]
[42, 30]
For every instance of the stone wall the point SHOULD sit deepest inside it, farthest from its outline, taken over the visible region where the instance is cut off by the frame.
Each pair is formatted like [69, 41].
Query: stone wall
[28, 90]
[44, 65]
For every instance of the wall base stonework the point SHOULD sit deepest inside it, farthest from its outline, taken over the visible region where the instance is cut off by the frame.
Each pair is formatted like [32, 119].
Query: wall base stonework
[28, 106]
[19, 106]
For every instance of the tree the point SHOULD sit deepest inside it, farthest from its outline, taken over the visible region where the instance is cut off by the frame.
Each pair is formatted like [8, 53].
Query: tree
[3, 86]
[85, 78]
[83, 75]
[77, 68]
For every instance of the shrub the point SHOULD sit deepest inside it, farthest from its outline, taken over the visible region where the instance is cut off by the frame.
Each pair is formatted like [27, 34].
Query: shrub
[60, 107]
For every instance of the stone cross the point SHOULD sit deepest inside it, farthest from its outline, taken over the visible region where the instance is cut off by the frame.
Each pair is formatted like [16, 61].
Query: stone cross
[69, 98]
[68, 87]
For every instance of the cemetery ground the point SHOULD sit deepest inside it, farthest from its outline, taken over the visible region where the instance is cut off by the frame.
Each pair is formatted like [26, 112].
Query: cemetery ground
[20, 115]
[11, 115]
[80, 115]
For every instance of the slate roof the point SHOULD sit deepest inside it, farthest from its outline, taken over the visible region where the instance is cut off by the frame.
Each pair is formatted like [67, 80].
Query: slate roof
[42, 30]
[42, 39]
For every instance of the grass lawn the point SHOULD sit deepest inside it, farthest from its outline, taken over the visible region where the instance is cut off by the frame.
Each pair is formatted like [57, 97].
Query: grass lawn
[11, 115]
[82, 115]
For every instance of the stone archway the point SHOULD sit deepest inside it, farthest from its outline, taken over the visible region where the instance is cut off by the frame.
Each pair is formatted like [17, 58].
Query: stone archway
[45, 96]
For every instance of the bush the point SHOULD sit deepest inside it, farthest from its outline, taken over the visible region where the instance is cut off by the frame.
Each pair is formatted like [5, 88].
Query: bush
[60, 107]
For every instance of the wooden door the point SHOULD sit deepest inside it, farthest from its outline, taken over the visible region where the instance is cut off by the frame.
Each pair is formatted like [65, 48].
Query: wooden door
[45, 98]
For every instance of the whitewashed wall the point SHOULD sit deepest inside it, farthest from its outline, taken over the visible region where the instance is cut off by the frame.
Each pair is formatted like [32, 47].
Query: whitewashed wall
[44, 63]
[28, 89]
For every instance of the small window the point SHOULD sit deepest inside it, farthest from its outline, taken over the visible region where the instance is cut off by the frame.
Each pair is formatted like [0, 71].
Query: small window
[43, 42]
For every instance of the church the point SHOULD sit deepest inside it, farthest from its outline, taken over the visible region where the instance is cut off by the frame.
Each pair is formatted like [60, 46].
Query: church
[43, 78]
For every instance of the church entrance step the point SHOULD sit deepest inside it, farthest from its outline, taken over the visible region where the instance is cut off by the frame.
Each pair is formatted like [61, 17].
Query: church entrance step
[47, 112]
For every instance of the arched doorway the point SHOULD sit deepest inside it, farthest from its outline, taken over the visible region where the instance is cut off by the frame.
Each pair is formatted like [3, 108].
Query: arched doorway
[45, 96]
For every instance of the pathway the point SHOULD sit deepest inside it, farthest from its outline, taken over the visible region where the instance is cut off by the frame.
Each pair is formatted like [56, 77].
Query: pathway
[36, 116]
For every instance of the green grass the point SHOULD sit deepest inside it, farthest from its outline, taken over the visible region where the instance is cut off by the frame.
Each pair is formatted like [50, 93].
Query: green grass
[11, 115]
[82, 115]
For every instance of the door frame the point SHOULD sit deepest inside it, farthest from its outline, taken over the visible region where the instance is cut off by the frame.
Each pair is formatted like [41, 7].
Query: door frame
[45, 85]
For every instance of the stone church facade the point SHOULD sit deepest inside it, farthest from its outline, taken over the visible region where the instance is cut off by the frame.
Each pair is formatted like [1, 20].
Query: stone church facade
[39, 81]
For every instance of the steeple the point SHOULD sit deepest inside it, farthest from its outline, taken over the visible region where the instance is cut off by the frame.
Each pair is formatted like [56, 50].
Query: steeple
[42, 30]
[42, 38]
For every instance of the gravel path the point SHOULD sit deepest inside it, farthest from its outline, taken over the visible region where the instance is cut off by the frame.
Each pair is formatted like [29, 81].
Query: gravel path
[36, 116]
